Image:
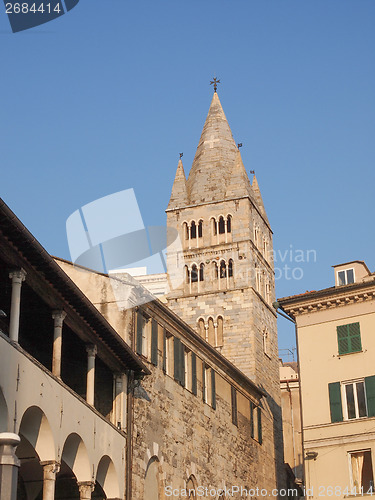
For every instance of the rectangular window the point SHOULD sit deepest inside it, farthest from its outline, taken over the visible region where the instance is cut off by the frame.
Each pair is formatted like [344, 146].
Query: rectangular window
[142, 335]
[345, 277]
[188, 369]
[207, 384]
[349, 338]
[354, 398]
[361, 473]
[194, 384]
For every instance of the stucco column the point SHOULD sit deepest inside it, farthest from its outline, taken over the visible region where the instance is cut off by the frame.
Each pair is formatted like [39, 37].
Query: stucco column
[58, 318]
[9, 464]
[50, 469]
[17, 277]
[90, 389]
[85, 489]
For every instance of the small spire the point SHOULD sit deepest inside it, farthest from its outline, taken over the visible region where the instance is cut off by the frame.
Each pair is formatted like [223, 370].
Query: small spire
[179, 196]
[258, 198]
[214, 82]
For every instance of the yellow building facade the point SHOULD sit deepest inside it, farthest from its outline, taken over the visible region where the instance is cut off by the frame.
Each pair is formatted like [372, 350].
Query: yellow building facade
[336, 346]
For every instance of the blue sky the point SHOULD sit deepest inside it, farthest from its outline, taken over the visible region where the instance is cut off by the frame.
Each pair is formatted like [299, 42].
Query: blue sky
[107, 96]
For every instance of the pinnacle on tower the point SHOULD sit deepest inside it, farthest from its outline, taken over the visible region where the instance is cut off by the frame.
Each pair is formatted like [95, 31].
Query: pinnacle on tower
[179, 196]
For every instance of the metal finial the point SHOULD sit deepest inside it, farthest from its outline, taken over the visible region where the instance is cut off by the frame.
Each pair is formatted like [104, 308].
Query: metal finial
[181, 155]
[214, 82]
[239, 145]
[252, 172]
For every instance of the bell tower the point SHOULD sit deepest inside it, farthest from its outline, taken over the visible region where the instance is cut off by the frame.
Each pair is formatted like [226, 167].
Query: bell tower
[227, 261]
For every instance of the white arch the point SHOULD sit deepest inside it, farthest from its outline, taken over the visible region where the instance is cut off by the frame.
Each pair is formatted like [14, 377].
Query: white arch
[3, 413]
[107, 477]
[37, 430]
[76, 457]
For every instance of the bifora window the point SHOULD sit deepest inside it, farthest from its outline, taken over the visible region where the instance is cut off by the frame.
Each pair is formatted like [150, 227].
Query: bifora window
[349, 338]
[345, 277]
[354, 398]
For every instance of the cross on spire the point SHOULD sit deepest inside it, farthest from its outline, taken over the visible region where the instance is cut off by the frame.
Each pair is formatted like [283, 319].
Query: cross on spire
[214, 82]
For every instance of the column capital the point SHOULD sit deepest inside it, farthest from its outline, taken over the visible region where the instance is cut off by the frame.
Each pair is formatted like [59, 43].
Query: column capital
[18, 275]
[50, 468]
[8, 445]
[59, 316]
[85, 489]
[91, 350]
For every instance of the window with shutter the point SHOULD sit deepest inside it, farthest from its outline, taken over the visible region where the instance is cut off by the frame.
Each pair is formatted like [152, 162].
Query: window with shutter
[370, 395]
[252, 419]
[334, 390]
[349, 338]
[234, 406]
[164, 351]
[204, 395]
[177, 359]
[154, 343]
[194, 373]
[139, 334]
[260, 436]
[213, 389]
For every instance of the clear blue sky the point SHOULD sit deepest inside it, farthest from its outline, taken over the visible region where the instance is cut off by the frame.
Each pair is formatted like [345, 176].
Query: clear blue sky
[106, 97]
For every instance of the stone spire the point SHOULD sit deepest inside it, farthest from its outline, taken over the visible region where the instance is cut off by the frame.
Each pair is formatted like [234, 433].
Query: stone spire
[258, 199]
[214, 159]
[179, 196]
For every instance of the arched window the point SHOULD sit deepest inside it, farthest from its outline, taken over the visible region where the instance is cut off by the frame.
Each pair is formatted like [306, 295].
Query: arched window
[230, 268]
[187, 275]
[201, 272]
[201, 328]
[220, 331]
[151, 484]
[200, 229]
[191, 487]
[265, 342]
[215, 270]
[193, 230]
[268, 292]
[211, 331]
[223, 269]
[229, 224]
[221, 225]
[194, 273]
[213, 225]
[256, 236]
[186, 231]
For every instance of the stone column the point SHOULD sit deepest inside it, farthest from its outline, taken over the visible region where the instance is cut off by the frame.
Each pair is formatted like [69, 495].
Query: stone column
[90, 388]
[9, 465]
[50, 469]
[17, 277]
[85, 489]
[58, 318]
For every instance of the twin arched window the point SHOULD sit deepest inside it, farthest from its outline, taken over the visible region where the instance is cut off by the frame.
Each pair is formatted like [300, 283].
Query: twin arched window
[194, 274]
[225, 269]
[221, 225]
[212, 330]
[193, 230]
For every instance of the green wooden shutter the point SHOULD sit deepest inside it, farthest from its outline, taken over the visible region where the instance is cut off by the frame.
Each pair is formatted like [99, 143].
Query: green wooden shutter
[204, 382]
[164, 351]
[154, 343]
[176, 359]
[140, 323]
[194, 373]
[234, 405]
[335, 404]
[354, 337]
[260, 436]
[370, 395]
[213, 389]
[252, 419]
[349, 338]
